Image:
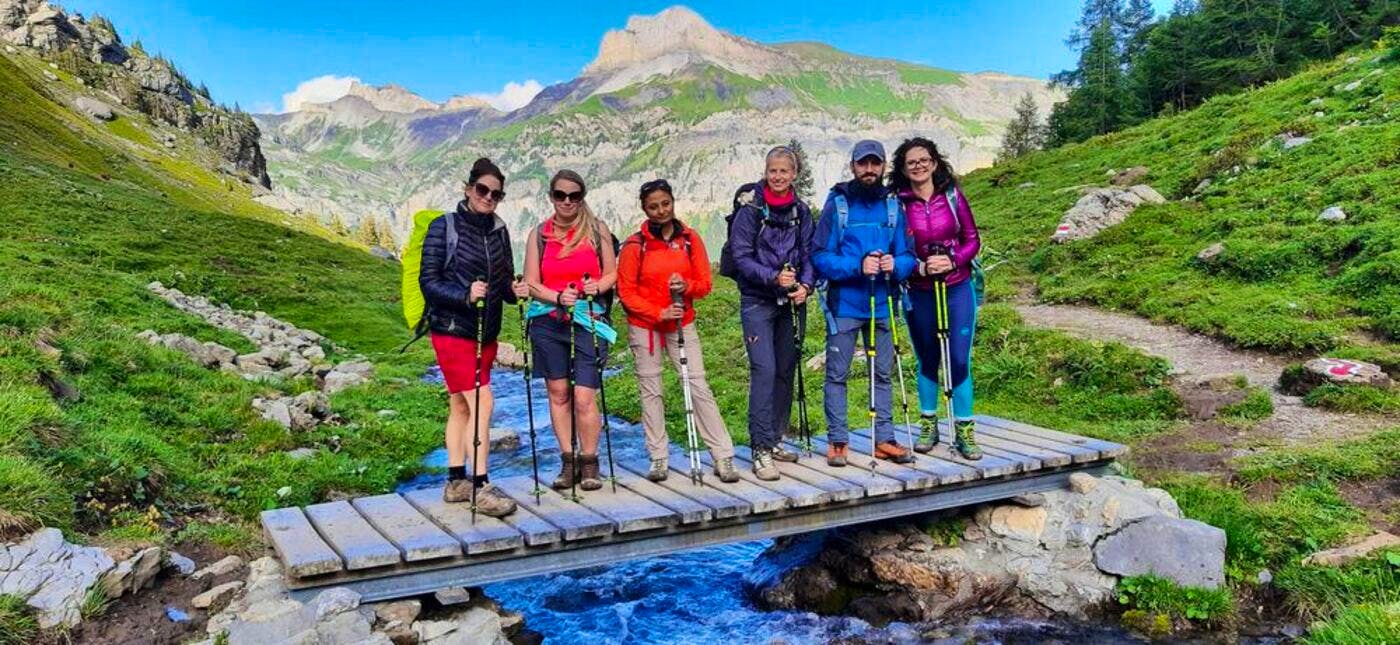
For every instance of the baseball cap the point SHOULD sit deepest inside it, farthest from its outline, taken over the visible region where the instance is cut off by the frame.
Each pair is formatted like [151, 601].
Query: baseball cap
[868, 148]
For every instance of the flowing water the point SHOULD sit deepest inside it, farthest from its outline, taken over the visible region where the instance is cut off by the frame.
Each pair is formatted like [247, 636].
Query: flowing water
[692, 597]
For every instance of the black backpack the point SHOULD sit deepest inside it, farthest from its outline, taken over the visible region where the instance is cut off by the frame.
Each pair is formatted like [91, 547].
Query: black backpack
[746, 195]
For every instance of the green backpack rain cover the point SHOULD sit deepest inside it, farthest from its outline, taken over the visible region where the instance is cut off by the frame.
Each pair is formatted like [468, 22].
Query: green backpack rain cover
[414, 304]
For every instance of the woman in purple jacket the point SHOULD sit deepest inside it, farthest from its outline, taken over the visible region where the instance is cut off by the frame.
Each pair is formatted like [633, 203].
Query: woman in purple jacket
[771, 241]
[945, 242]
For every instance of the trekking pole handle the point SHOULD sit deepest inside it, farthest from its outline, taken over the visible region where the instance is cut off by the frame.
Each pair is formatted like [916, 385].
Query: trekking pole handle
[876, 255]
[481, 302]
[787, 266]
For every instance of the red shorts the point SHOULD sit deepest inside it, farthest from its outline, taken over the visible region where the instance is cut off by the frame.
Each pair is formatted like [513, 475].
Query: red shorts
[457, 358]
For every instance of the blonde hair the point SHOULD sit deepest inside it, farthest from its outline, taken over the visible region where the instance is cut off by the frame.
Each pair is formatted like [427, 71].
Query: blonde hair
[782, 151]
[586, 223]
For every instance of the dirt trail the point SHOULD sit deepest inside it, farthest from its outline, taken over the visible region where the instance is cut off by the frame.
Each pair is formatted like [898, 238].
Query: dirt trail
[1193, 357]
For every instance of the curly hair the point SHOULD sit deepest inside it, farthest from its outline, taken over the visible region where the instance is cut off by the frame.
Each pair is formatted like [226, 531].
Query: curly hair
[943, 174]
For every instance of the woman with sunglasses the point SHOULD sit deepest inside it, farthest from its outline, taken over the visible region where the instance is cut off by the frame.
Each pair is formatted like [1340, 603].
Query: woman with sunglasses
[466, 295]
[662, 271]
[946, 243]
[570, 264]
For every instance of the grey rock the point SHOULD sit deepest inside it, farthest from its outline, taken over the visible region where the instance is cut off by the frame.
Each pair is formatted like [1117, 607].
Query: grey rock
[51, 575]
[1264, 577]
[1188, 552]
[1210, 253]
[219, 569]
[347, 375]
[387, 414]
[1083, 483]
[476, 626]
[1029, 184]
[93, 108]
[452, 596]
[382, 253]
[335, 600]
[218, 596]
[181, 564]
[1345, 371]
[429, 630]
[1352, 552]
[1290, 142]
[404, 611]
[1029, 500]
[1201, 187]
[1333, 214]
[343, 628]
[1101, 208]
[1130, 177]
[52, 78]
[276, 411]
[301, 453]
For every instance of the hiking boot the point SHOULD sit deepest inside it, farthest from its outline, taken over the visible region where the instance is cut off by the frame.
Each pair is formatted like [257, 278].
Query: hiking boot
[783, 454]
[589, 478]
[928, 434]
[457, 491]
[724, 470]
[964, 442]
[892, 452]
[763, 466]
[565, 480]
[490, 501]
[658, 470]
[836, 454]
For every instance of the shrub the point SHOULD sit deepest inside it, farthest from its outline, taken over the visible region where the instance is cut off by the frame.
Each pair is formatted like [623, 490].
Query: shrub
[1159, 595]
[1255, 406]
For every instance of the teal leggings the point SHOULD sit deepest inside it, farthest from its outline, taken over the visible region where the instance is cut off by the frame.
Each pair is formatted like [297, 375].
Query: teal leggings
[922, 317]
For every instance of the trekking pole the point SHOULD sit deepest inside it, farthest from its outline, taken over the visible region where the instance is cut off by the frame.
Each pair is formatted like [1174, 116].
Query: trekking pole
[529, 396]
[943, 327]
[892, 284]
[602, 386]
[476, 407]
[697, 476]
[870, 364]
[573, 416]
[799, 334]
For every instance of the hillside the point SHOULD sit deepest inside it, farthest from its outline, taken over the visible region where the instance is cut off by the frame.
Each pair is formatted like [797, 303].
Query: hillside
[668, 95]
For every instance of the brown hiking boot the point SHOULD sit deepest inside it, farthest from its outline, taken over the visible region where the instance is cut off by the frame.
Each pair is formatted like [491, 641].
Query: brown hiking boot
[457, 491]
[724, 470]
[893, 452]
[783, 454]
[490, 501]
[565, 480]
[659, 468]
[836, 454]
[763, 466]
[589, 478]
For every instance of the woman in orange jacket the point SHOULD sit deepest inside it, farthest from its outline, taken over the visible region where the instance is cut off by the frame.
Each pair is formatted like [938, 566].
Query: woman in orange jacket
[662, 271]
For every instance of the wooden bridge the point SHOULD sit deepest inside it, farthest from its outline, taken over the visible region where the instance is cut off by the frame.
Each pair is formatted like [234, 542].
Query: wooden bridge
[396, 545]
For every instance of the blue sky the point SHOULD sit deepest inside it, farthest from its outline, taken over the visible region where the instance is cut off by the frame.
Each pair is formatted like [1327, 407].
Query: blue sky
[253, 52]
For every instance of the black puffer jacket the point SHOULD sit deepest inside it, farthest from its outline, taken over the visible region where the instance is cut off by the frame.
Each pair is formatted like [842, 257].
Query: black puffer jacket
[483, 250]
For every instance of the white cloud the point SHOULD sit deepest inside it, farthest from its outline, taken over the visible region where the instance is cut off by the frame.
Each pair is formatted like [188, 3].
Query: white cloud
[322, 89]
[513, 96]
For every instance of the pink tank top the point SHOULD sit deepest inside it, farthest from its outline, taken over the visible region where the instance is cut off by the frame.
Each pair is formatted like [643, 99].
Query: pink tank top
[557, 272]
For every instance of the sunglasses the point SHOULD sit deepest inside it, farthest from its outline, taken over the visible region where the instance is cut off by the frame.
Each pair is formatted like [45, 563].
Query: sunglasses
[486, 193]
[656, 184]
[561, 196]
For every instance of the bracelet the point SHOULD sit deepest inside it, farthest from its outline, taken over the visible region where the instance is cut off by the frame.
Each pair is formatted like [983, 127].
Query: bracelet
[559, 298]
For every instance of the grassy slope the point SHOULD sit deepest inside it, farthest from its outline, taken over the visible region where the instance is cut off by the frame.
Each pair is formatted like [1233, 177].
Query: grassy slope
[151, 430]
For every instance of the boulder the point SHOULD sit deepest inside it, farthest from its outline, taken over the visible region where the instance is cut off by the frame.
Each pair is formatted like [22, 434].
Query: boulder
[181, 564]
[217, 597]
[133, 573]
[1101, 208]
[219, 569]
[382, 253]
[1343, 555]
[508, 356]
[1188, 552]
[335, 600]
[52, 576]
[1345, 371]
[1083, 483]
[1210, 253]
[1201, 187]
[94, 108]
[1332, 214]
[347, 375]
[403, 611]
[50, 76]
[275, 410]
[1129, 177]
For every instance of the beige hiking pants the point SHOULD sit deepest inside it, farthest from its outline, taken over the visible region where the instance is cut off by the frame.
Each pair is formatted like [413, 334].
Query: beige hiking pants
[647, 349]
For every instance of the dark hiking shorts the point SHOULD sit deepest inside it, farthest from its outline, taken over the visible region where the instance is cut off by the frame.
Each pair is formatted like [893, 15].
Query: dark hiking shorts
[549, 338]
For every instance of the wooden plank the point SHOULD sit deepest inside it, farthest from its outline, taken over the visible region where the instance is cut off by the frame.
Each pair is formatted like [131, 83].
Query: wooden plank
[416, 536]
[910, 478]
[756, 498]
[992, 447]
[936, 463]
[1075, 454]
[689, 510]
[844, 483]
[302, 551]
[577, 522]
[628, 511]
[798, 494]
[489, 534]
[1107, 449]
[357, 542]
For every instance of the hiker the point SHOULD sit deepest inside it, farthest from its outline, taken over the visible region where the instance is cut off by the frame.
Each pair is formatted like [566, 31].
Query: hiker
[663, 270]
[861, 242]
[465, 297]
[769, 240]
[570, 263]
[945, 242]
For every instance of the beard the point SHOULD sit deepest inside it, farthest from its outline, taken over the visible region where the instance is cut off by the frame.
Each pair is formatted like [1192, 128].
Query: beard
[870, 192]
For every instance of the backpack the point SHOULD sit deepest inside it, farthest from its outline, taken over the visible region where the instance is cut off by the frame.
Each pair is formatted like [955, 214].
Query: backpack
[746, 195]
[636, 238]
[410, 294]
[843, 214]
[606, 300]
[979, 276]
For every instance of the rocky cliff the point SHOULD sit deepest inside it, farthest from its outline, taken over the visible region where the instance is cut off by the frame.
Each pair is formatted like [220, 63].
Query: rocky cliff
[93, 52]
[668, 95]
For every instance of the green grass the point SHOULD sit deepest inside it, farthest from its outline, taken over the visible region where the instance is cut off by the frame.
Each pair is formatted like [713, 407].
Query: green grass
[17, 624]
[855, 94]
[1257, 405]
[642, 160]
[1368, 458]
[920, 75]
[126, 129]
[1158, 595]
[1366, 623]
[1286, 282]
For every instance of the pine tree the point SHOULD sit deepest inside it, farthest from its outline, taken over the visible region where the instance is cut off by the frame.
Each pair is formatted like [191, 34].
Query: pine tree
[367, 233]
[1185, 7]
[1024, 134]
[1134, 25]
[803, 184]
[1099, 104]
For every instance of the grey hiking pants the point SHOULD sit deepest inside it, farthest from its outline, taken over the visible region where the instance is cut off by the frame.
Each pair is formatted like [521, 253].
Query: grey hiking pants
[768, 339]
[841, 349]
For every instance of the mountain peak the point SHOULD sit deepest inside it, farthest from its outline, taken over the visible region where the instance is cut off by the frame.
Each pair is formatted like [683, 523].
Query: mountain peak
[391, 98]
[679, 31]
